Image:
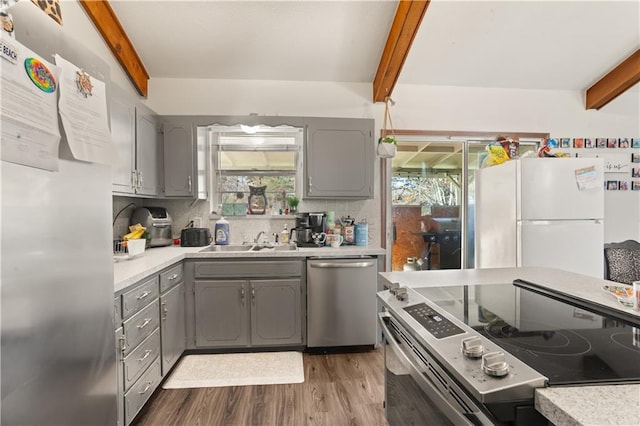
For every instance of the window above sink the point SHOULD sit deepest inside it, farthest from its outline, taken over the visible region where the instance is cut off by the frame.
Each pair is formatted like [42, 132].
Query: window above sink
[263, 157]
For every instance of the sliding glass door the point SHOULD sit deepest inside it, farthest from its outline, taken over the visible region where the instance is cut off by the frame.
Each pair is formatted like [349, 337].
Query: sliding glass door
[432, 197]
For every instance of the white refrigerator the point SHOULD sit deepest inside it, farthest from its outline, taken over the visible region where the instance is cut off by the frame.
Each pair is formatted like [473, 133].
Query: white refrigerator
[541, 212]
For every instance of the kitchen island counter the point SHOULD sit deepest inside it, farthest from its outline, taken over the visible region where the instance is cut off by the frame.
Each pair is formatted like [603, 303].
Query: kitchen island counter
[587, 405]
[128, 272]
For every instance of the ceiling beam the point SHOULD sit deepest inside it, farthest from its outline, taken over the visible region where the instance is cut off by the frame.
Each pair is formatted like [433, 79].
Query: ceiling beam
[616, 82]
[403, 30]
[107, 23]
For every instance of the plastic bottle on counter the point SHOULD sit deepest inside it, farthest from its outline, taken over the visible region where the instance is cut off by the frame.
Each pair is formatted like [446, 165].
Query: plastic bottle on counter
[221, 232]
[284, 235]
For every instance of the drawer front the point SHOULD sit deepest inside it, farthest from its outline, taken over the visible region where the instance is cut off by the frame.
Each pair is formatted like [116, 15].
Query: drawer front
[140, 392]
[141, 325]
[134, 300]
[248, 269]
[170, 277]
[140, 358]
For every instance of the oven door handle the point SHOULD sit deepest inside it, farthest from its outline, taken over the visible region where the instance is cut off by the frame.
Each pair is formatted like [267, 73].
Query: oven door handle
[425, 384]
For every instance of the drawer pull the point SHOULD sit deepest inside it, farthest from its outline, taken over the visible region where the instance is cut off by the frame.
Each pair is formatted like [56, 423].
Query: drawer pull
[172, 277]
[149, 384]
[165, 311]
[143, 295]
[146, 355]
[145, 323]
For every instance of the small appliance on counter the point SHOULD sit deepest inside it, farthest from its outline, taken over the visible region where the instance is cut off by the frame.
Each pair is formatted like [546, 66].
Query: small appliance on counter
[309, 230]
[195, 237]
[158, 223]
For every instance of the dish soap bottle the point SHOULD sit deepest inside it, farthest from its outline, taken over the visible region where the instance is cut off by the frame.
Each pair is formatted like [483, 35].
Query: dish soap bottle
[221, 232]
[284, 235]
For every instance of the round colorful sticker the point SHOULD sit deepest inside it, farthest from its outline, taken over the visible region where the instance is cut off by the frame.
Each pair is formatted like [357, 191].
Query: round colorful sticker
[40, 75]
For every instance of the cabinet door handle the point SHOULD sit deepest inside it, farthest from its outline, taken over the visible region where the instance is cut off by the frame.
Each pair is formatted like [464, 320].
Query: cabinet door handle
[143, 295]
[165, 311]
[310, 184]
[172, 277]
[146, 322]
[149, 384]
[146, 355]
[242, 295]
[134, 179]
[253, 295]
[123, 346]
[140, 179]
[190, 184]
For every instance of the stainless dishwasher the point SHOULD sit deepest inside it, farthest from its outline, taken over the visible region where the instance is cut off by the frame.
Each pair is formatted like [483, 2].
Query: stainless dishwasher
[341, 302]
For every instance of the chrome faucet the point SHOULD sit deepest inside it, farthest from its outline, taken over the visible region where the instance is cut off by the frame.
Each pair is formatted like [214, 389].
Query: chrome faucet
[257, 239]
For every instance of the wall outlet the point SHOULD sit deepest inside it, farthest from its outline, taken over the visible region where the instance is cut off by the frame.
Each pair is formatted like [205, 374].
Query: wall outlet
[197, 222]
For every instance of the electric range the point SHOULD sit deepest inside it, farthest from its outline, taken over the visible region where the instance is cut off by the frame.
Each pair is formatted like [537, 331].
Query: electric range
[492, 345]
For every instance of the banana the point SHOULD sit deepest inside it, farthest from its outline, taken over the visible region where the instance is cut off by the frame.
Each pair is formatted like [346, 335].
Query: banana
[134, 235]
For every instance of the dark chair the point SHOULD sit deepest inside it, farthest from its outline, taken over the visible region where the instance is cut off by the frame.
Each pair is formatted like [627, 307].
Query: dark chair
[622, 261]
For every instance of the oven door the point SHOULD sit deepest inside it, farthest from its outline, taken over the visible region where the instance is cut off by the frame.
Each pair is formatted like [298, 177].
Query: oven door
[411, 398]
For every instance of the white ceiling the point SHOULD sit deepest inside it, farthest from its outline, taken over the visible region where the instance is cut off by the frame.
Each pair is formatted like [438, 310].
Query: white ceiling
[512, 44]
[258, 40]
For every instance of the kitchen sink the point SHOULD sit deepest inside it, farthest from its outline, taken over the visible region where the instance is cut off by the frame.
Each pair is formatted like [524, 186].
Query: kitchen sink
[285, 247]
[230, 247]
[250, 247]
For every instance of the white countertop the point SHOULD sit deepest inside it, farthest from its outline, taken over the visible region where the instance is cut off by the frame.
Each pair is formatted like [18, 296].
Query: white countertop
[572, 405]
[128, 272]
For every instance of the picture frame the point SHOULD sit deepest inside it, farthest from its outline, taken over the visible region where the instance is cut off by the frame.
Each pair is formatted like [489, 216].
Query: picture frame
[623, 185]
[635, 158]
[635, 143]
[589, 143]
[624, 143]
[565, 143]
[635, 185]
[578, 143]
[612, 185]
[601, 143]
[612, 143]
[635, 172]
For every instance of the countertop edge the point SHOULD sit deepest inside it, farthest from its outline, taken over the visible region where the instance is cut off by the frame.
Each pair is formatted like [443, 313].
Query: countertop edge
[590, 405]
[129, 272]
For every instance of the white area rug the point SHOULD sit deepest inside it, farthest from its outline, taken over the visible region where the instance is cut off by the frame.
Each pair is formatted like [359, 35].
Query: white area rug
[262, 368]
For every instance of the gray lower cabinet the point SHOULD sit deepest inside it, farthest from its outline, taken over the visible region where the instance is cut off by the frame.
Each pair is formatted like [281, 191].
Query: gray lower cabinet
[150, 337]
[120, 374]
[249, 303]
[221, 314]
[275, 312]
[172, 326]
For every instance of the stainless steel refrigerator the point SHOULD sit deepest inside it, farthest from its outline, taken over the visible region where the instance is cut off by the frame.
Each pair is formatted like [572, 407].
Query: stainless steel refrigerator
[56, 276]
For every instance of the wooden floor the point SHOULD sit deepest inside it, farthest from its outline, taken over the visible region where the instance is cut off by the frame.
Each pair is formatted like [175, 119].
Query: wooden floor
[338, 389]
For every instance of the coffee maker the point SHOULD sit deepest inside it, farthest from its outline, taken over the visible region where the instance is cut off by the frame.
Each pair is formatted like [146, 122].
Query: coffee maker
[309, 230]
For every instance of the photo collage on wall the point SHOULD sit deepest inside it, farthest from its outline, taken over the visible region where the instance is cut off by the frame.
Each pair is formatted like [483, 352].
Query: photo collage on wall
[623, 172]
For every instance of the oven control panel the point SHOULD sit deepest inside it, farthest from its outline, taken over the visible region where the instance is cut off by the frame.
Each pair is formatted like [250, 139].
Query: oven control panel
[432, 321]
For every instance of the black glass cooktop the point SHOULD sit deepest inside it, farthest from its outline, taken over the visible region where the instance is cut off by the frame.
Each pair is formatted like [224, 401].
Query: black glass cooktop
[566, 343]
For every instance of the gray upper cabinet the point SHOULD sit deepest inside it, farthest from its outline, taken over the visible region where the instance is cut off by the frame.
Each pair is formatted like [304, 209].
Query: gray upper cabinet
[179, 158]
[135, 135]
[338, 158]
[147, 152]
[123, 134]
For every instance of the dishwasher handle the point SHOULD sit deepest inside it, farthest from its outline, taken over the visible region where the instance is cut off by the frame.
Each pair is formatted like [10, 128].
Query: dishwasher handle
[366, 264]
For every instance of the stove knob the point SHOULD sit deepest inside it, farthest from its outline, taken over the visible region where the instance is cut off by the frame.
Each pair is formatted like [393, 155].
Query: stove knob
[494, 364]
[472, 347]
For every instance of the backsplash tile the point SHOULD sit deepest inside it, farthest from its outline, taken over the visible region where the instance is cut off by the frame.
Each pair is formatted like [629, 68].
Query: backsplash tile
[246, 228]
